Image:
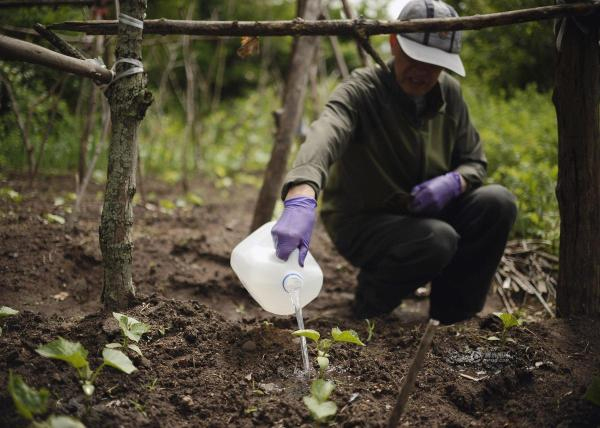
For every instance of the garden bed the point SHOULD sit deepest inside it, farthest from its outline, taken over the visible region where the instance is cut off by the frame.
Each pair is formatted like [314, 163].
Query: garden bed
[214, 358]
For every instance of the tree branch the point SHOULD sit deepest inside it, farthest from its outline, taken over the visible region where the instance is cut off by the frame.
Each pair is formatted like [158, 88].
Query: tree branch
[13, 49]
[342, 27]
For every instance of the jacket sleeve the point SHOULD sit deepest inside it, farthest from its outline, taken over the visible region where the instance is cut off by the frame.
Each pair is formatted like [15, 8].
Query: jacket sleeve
[326, 139]
[468, 158]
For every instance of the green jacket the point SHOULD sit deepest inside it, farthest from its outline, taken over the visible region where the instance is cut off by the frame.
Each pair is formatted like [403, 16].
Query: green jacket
[369, 147]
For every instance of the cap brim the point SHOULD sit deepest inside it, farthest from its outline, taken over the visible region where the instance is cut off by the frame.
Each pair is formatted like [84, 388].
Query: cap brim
[431, 55]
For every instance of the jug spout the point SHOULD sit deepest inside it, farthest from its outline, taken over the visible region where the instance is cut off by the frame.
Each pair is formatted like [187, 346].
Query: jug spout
[292, 281]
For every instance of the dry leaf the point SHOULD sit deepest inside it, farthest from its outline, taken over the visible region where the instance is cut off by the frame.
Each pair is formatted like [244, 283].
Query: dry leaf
[250, 46]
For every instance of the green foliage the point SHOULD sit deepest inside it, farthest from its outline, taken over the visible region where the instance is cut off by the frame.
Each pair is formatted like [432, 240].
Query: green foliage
[75, 355]
[27, 400]
[30, 402]
[592, 394]
[520, 140]
[527, 49]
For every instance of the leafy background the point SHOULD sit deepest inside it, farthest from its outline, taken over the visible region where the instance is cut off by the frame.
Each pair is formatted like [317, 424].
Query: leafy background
[508, 89]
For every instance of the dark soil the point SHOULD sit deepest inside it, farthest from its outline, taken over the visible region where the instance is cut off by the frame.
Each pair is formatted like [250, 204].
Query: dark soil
[214, 358]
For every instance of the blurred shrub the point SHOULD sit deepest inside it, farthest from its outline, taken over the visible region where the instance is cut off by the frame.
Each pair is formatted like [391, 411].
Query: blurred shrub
[521, 143]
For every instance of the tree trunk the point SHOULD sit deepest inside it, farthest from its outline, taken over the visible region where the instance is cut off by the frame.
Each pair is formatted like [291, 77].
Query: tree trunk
[295, 91]
[128, 99]
[576, 98]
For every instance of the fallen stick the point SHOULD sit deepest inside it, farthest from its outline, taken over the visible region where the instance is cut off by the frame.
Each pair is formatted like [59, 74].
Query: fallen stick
[409, 380]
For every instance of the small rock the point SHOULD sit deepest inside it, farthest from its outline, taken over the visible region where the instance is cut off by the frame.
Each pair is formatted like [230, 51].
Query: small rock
[269, 388]
[187, 401]
[110, 326]
[249, 346]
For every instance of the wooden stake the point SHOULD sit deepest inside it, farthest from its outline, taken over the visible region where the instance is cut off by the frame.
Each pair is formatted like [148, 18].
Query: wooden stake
[409, 380]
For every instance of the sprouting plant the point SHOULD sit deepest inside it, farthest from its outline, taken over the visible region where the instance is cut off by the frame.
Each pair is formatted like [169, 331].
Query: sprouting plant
[370, 330]
[131, 329]
[76, 355]
[318, 403]
[5, 311]
[509, 321]
[31, 402]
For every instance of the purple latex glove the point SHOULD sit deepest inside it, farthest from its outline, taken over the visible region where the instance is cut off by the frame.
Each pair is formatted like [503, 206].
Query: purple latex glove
[432, 195]
[294, 227]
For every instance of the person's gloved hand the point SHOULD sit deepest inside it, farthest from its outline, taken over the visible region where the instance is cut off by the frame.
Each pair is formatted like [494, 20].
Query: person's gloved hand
[432, 195]
[294, 227]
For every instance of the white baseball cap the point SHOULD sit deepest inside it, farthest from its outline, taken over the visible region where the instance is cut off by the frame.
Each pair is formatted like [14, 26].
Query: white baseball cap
[438, 48]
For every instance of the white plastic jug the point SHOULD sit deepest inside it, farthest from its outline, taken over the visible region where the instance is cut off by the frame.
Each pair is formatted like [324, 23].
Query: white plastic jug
[269, 279]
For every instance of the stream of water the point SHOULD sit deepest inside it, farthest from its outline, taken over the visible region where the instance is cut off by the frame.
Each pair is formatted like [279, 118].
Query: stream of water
[295, 296]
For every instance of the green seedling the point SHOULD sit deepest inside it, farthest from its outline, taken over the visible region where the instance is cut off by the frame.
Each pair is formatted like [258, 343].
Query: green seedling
[31, 402]
[509, 321]
[8, 193]
[131, 329]
[318, 403]
[76, 355]
[5, 311]
[370, 330]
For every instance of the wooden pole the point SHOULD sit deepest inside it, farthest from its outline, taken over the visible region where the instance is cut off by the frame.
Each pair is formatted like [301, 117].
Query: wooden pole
[342, 27]
[128, 98]
[350, 15]
[51, 3]
[577, 98]
[295, 92]
[13, 49]
[411, 376]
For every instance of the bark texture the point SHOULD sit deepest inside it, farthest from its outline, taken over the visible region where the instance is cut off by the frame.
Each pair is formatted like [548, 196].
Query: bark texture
[293, 102]
[576, 98]
[128, 99]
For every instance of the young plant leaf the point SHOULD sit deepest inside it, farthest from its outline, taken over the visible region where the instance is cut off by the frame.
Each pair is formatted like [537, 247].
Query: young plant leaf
[135, 349]
[5, 311]
[320, 411]
[28, 401]
[321, 389]
[348, 336]
[118, 360]
[53, 218]
[61, 422]
[113, 345]
[493, 338]
[313, 335]
[323, 363]
[131, 327]
[61, 349]
[593, 392]
[508, 320]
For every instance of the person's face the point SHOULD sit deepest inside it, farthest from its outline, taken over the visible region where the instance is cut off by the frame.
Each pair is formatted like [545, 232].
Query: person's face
[414, 77]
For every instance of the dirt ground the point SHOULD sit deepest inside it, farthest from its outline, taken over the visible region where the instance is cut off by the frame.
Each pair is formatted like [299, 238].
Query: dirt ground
[214, 358]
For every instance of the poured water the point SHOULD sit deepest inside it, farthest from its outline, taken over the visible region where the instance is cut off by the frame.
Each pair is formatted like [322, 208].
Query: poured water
[295, 296]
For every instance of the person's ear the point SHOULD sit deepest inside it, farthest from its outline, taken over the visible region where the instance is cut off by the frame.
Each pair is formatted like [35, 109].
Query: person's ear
[394, 45]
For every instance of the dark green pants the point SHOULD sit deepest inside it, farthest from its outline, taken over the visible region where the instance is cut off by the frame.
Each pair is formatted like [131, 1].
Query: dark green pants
[458, 251]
